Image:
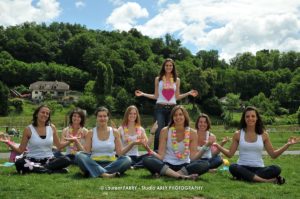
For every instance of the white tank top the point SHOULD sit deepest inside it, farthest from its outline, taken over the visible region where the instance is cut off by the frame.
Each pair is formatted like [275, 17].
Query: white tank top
[103, 148]
[39, 148]
[206, 154]
[72, 149]
[170, 156]
[250, 153]
[163, 97]
[134, 151]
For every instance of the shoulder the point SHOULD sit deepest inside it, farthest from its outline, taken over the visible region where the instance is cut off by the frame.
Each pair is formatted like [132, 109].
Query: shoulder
[236, 135]
[212, 135]
[265, 135]
[53, 126]
[156, 78]
[193, 131]
[164, 130]
[115, 132]
[142, 129]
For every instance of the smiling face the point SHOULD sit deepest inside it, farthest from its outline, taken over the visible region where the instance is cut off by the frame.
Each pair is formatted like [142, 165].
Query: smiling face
[250, 118]
[43, 115]
[76, 119]
[102, 118]
[168, 67]
[202, 124]
[132, 116]
[178, 117]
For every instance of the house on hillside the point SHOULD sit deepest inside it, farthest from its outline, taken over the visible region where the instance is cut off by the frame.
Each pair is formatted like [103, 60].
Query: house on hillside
[54, 89]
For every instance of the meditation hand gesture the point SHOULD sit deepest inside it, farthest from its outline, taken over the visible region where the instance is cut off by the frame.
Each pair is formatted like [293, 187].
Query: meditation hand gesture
[193, 93]
[154, 128]
[73, 138]
[225, 140]
[293, 140]
[138, 93]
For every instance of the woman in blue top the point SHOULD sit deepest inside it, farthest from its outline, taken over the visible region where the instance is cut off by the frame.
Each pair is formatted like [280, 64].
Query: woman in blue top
[167, 91]
[251, 140]
[102, 144]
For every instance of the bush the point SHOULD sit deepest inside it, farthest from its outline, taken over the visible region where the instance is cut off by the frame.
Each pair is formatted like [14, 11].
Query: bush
[18, 104]
[193, 111]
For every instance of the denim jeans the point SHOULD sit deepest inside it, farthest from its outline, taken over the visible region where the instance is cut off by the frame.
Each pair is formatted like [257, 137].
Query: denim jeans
[58, 154]
[162, 116]
[155, 165]
[247, 173]
[214, 162]
[137, 161]
[94, 169]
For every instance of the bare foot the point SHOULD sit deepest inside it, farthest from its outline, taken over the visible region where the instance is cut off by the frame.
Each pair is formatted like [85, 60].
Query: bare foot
[110, 175]
[189, 177]
[212, 170]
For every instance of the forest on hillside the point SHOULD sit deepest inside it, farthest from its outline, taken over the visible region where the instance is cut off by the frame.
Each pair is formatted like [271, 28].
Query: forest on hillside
[108, 66]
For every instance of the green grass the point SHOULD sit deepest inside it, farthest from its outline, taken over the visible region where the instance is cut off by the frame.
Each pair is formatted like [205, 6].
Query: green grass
[217, 185]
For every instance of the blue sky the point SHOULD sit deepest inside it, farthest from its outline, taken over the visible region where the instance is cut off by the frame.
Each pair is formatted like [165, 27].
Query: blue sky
[230, 26]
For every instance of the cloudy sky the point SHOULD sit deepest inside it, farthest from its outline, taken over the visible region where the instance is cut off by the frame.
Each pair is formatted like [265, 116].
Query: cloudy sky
[230, 26]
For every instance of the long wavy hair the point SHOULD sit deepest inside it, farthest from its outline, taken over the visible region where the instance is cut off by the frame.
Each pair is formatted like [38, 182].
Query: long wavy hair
[163, 71]
[185, 113]
[138, 118]
[81, 114]
[259, 126]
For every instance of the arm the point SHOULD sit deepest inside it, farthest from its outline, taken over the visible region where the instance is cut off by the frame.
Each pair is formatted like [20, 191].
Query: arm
[154, 96]
[152, 133]
[215, 150]
[118, 143]
[234, 145]
[163, 137]
[269, 147]
[179, 96]
[195, 153]
[88, 141]
[56, 140]
[24, 142]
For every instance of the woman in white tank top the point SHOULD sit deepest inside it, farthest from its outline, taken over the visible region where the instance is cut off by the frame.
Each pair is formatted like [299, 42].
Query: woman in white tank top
[177, 147]
[102, 144]
[205, 139]
[251, 140]
[167, 91]
[39, 138]
[133, 135]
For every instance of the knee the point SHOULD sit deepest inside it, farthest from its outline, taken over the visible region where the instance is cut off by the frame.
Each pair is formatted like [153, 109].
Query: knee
[126, 160]
[80, 156]
[147, 161]
[277, 169]
[233, 167]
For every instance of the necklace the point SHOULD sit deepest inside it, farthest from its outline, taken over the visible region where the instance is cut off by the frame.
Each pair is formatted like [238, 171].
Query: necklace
[138, 132]
[186, 143]
[168, 84]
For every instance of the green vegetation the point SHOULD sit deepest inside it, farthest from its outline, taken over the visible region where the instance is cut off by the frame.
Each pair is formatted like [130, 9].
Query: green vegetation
[108, 66]
[210, 185]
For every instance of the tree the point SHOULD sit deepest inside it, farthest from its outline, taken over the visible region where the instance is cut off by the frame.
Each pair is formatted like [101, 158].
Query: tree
[231, 104]
[4, 92]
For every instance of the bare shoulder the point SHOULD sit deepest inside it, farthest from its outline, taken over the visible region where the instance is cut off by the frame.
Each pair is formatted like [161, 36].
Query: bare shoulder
[236, 135]
[193, 131]
[116, 132]
[265, 135]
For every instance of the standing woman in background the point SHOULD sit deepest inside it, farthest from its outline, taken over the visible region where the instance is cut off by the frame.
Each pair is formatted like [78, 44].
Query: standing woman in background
[39, 138]
[167, 91]
[251, 139]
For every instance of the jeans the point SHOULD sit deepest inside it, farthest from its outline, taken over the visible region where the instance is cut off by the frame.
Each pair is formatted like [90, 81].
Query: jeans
[162, 116]
[94, 169]
[155, 165]
[137, 161]
[214, 162]
[247, 173]
[58, 154]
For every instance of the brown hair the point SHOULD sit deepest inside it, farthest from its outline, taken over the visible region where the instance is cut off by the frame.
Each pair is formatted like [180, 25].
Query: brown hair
[259, 126]
[35, 115]
[81, 114]
[185, 113]
[207, 121]
[163, 71]
[126, 114]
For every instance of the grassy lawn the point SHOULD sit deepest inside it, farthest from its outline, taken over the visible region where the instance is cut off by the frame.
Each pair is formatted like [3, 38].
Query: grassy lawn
[139, 184]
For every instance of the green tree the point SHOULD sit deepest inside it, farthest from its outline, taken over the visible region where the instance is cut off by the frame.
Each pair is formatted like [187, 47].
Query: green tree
[4, 93]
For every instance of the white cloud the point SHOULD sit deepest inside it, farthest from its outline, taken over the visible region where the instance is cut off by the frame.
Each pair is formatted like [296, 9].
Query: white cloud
[160, 2]
[116, 2]
[125, 16]
[19, 11]
[231, 26]
[79, 4]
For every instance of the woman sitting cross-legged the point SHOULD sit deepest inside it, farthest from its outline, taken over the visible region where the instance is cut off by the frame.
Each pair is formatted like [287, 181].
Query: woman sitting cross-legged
[102, 144]
[177, 147]
[251, 140]
[39, 138]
